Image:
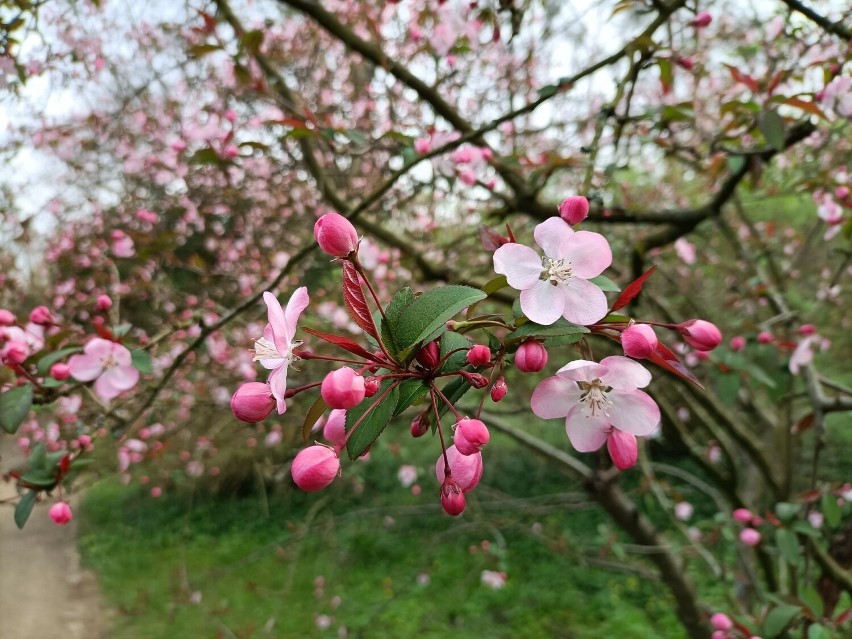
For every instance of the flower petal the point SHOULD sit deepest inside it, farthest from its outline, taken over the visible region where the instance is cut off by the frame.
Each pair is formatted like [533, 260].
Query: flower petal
[634, 412]
[298, 303]
[586, 433]
[115, 381]
[624, 373]
[520, 264]
[98, 347]
[552, 236]
[85, 368]
[121, 355]
[278, 383]
[588, 253]
[581, 370]
[584, 302]
[543, 303]
[278, 322]
[554, 397]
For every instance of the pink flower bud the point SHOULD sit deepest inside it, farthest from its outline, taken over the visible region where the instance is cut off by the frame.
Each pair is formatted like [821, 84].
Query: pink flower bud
[737, 343]
[422, 146]
[841, 192]
[574, 209]
[419, 426]
[700, 334]
[335, 427]
[702, 19]
[807, 329]
[531, 357]
[429, 355]
[470, 436]
[42, 316]
[16, 352]
[622, 448]
[85, 442]
[315, 468]
[60, 371]
[336, 235]
[750, 537]
[765, 337]
[721, 621]
[465, 469]
[719, 634]
[685, 63]
[103, 303]
[479, 355]
[7, 318]
[452, 497]
[371, 386]
[343, 388]
[475, 379]
[252, 402]
[499, 390]
[743, 515]
[60, 513]
[467, 176]
[639, 341]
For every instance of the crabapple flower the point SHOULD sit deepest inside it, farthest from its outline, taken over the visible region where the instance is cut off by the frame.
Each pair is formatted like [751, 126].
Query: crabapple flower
[103, 303]
[334, 429]
[252, 402]
[700, 334]
[274, 350]
[721, 621]
[499, 390]
[335, 235]
[531, 357]
[60, 513]
[60, 371]
[343, 388]
[639, 341]
[452, 497]
[737, 343]
[597, 398]
[574, 209]
[470, 436]
[479, 355]
[465, 469]
[7, 317]
[42, 316]
[556, 285]
[493, 579]
[315, 467]
[108, 363]
[702, 19]
[750, 537]
[622, 448]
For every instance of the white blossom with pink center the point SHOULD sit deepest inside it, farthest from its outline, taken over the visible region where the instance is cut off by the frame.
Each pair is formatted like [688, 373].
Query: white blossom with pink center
[556, 285]
[274, 350]
[595, 398]
[108, 363]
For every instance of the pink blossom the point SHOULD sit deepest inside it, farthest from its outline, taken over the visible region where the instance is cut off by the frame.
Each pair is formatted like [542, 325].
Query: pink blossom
[470, 436]
[499, 390]
[422, 146]
[765, 337]
[743, 515]
[531, 357]
[479, 355]
[557, 285]
[721, 621]
[60, 513]
[60, 371]
[574, 209]
[315, 467]
[343, 388]
[7, 318]
[639, 341]
[803, 354]
[103, 303]
[465, 469]
[42, 316]
[622, 448]
[334, 429]
[595, 398]
[452, 497]
[252, 402]
[685, 250]
[274, 350]
[407, 475]
[493, 579]
[738, 343]
[702, 19]
[108, 363]
[750, 537]
[700, 334]
[335, 235]
[122, 244]
[683, 510]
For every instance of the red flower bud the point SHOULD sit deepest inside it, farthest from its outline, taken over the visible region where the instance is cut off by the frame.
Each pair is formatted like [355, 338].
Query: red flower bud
[16, 352]
[750, 537]
[702, 19]
[334, 429]
[315, 468]
[60, 513]
[622, 449]
[452, 497]
[60, 371]
[465, 469]
[700, 334]
[371, 386]
[429, 355]
[639, 341]
[343, 388]
[252, 402]
[7, 318]
[103, 303]
[42, 316]
[475, 379]
[531, 357]
[479, 355]
[336, 235]
[470, 436]
[499, 390]
[765, 337]
[419, 426]
[574, 209]
[738, 343]
[721, 621]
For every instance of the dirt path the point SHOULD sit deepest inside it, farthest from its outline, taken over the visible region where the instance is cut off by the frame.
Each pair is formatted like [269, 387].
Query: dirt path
[43, 590]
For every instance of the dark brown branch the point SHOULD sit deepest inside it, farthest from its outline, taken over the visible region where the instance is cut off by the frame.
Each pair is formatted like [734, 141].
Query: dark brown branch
[837, 28]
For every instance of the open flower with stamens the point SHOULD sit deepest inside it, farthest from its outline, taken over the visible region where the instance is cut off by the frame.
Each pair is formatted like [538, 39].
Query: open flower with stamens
[108, 363]
[595, 398]
[556, 285]
[274, 350]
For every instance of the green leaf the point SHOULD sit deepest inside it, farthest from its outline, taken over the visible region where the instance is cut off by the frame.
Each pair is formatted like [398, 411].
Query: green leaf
[425, 318]
[389, 324]
[830, 509]
[560, 328]
[810, 597]
[410, 391]
[24, 508]
[615, 318]
[736, 163]
[516, 308]
[778, 619]
[15, 404]
[605, 284]
[380, 409]
[451, 341]
[141, 361]
[548, 90]
[314, 413]
[49, 360]
[495, 285]
[787, 511]
[819, 632]
[773, 128]
[788, 544]
[39, 479]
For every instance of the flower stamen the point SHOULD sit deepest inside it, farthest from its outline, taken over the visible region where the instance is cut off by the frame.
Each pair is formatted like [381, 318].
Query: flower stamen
[594, 398]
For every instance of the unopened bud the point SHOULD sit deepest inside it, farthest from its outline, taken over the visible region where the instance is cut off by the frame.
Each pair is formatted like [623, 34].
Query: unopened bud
[738, 343]
[622, 449]
[700, 334]
[315, 467]
[419, 426]
[103, 303]
[452, 497]
[639, 341]
[743, 515]
[336, 235]
[371, 386]
[470, 436]
[343, 388]
[702, 19]
[7, 318]
[334, 429]
[252, 402]
[721, 621]
[60, 371]
[531, 357]
[499, 390]
[574, 209]
[765, 337]
[42, 316]
[475, 379]
[60, 513]
[429, 356]
[16, 352]
[479, 355]
[465, 469]
[750, 537]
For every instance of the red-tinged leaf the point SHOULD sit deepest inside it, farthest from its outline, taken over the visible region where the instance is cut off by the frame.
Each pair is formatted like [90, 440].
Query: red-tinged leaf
[356, 303]
[804, 105]
[743, 78]
[491, 240]
[805, 423]
[666, 359]
[773, 83]
[632, 290]
[343, 342]
[511, 234]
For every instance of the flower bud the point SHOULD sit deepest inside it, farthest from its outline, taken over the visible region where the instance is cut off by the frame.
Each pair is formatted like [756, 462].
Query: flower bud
[422, 146]
[465, 469]
[334, 429]
[721, 621]
[765, 337]
[252, 402]
[429, 356]
[639, 341]
[574, 209]
[700, 334]
[7, 318]
[479, 355]
[685, 63]
[737, 343]
[470, 436]
[16, 352]
[702, 19]
[103, 303]
[475, 379]
[807, 329]
[531, 357]
[343, 388]
[750, 537]
[419, 426]
[60, 371]
[336, 235]
[743, 515]
[315, 467]
[60, 513]
[622, 448]
[371, 386]
[41, 315]
[499, 390]
[452, 497]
